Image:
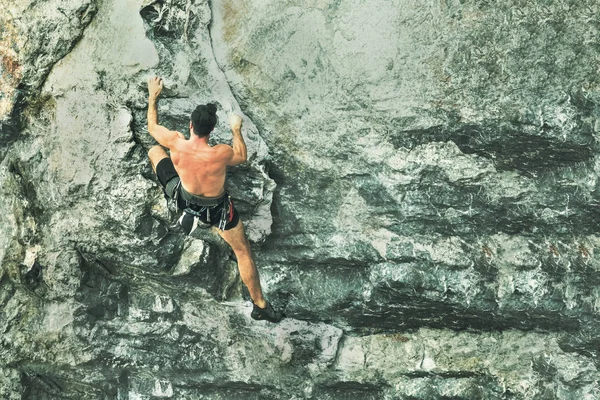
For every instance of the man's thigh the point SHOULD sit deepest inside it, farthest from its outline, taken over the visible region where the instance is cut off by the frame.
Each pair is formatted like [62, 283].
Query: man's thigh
[235, 237]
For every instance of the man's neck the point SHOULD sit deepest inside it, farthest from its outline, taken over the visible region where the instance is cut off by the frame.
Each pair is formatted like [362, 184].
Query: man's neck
[199, 140]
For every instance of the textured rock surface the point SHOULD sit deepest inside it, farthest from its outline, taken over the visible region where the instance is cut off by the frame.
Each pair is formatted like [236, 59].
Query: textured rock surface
[422, 195]
[35, 35]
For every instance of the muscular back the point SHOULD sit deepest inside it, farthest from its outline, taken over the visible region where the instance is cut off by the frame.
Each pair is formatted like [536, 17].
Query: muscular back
[202, 168]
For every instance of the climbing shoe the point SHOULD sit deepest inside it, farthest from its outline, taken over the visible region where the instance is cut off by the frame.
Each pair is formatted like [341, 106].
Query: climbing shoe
[266, 314]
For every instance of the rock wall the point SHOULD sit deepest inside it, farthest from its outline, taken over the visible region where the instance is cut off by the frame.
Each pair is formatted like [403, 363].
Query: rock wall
[421, 194]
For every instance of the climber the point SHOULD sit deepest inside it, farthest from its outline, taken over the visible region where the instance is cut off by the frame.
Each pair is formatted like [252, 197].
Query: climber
[194, 178]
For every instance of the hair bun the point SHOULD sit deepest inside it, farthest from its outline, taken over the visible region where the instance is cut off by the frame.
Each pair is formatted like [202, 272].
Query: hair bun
[211, 108]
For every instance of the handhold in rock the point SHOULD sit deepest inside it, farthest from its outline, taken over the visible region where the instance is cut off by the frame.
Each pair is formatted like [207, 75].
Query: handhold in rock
[34, 275]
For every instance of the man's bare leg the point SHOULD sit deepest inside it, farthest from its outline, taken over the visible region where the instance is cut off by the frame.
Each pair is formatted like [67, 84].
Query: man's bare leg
[236, 237]
[156, 154]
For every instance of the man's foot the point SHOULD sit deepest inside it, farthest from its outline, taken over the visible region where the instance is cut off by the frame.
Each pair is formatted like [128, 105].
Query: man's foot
[266, 314]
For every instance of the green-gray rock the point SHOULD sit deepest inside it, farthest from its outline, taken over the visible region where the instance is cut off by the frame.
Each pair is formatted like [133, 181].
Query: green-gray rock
[422, 196]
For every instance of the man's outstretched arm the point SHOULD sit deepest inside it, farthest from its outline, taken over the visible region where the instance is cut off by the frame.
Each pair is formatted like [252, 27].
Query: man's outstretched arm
[162, 135]
[239, 146]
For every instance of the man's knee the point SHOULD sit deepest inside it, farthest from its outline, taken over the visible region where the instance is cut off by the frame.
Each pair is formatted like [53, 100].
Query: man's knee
[156, 152]
[242, 253]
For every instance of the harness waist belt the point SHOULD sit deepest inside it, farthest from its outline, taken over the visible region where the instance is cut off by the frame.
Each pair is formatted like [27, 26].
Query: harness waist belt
[202, 200]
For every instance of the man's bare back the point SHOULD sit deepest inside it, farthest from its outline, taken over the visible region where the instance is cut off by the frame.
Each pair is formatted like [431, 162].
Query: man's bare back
[202, 168]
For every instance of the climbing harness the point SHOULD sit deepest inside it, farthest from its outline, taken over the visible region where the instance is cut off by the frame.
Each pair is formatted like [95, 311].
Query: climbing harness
[205, 210]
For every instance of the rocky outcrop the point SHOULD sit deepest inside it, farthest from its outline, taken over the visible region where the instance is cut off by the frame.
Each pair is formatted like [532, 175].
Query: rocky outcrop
[435, 166]
[35, 35]
[421, 194]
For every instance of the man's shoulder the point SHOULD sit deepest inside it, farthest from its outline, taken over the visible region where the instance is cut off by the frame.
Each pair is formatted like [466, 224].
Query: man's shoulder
[176, 137]
[223, 152]
[223, 148]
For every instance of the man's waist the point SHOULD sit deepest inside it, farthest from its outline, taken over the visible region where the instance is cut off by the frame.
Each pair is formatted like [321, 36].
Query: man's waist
[202, 200]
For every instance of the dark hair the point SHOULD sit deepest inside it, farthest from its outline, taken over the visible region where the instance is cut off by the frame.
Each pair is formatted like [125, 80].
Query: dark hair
[204, 119]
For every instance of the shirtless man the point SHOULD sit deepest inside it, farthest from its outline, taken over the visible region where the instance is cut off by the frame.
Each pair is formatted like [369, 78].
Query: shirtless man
[194, 176]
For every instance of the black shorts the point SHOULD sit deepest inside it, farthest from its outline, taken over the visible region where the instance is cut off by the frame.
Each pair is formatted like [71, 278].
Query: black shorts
[169, 179]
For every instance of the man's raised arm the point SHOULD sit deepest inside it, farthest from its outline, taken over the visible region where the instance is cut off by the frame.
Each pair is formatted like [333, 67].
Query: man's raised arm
[239, 146]
[162, 135]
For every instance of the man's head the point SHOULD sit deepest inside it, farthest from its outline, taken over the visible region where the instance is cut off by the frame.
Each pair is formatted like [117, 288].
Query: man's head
[204, 119]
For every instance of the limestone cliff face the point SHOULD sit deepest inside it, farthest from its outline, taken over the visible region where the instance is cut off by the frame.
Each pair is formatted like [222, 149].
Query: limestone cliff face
[421, 193]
